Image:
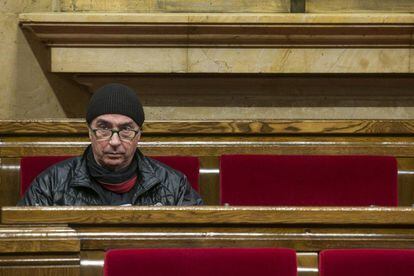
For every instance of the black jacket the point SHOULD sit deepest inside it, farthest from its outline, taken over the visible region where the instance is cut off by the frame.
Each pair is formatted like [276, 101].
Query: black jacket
[68, 183]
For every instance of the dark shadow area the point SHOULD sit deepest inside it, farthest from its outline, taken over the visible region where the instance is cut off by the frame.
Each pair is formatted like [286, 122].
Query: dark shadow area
[260, 90]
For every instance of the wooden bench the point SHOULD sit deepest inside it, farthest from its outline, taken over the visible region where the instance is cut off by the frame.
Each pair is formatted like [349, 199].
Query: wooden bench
[72, 240]
[210, 139]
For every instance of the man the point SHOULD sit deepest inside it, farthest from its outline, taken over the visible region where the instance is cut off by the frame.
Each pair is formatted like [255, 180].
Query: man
[112, 171]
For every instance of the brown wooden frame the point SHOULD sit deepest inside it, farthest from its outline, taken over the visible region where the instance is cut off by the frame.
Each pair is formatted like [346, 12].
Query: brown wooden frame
[75, 238]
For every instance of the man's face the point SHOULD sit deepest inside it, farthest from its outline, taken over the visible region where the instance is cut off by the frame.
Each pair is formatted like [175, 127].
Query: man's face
[114, 153]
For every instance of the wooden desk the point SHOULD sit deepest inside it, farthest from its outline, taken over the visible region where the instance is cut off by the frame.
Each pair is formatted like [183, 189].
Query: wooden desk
[72, 240]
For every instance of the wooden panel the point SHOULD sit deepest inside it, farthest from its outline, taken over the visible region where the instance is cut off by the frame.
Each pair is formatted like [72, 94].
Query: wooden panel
[304, 229]
[209, 180]
[215, 146]
[9, 180]
[40, 271]
[205, 215]
[39, 250]
[38, 239]
[307, 230]
[357, 6]
[307, 238]
[406, 181]
[307, 264]
[92, 262]
[327, 127]
[39, 260]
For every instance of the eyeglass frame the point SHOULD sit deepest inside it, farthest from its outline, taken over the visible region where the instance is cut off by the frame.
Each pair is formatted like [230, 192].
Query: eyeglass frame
[94, 130]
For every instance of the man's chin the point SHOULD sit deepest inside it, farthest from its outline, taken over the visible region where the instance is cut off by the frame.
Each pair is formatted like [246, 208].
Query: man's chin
[113, 163]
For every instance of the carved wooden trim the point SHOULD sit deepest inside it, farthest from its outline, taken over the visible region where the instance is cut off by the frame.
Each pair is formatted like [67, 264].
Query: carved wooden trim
[38, 260]
[47, 238]
[224, 127]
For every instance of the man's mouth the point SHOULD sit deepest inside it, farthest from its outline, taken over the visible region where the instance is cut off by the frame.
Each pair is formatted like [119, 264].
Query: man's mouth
[114, 154]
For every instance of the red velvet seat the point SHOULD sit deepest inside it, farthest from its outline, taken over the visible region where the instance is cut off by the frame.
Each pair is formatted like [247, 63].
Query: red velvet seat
[201, 262]
[366, 262]
[31, 166]
[303, 180]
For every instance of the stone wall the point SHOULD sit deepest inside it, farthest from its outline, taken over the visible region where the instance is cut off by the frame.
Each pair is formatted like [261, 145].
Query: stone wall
[29, 91]
[25, 91]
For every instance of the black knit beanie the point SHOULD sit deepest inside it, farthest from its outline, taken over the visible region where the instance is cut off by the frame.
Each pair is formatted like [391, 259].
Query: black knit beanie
[115, 98]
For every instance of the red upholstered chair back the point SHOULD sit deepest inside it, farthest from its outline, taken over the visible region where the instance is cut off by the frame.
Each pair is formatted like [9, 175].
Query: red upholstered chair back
[298, 180]
[31, 166]
[366, 262]
[188, 165]
[201, 262]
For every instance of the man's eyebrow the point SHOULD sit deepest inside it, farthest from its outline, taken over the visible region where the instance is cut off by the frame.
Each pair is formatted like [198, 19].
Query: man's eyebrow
[103, 122]
[109, 124]
[128, 124]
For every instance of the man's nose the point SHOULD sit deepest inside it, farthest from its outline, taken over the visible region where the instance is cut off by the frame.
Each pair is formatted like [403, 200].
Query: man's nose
[115, 141]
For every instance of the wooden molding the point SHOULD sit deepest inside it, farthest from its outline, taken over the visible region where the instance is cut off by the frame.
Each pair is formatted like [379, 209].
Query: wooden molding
[209, 215]
[241, 127]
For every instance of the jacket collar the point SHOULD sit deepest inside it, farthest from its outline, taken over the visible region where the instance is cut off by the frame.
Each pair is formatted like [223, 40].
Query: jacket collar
[146, 175]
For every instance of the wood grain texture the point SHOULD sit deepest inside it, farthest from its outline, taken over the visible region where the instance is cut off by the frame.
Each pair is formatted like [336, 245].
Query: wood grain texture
[9, 181]
[40, 271]
[307, 230]
[245, 127]
[208, 215]
[303, 229]
[399, 146]
[305, 238]
[92, 262]
[37, 239]
[40, 260]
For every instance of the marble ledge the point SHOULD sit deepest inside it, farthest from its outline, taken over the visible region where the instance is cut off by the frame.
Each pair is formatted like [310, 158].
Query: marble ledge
[217, 60]
[225, 18]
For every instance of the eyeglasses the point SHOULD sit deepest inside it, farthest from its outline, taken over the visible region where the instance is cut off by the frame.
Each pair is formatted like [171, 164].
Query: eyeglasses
[123, 134]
